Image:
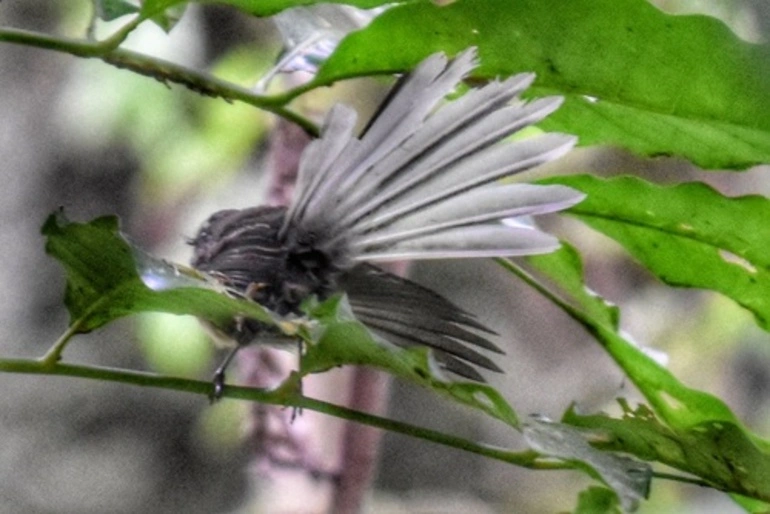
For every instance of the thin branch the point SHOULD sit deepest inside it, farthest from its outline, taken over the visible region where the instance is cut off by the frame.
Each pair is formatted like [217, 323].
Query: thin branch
[290, 397]
[285, 396]
[76, 47]
[54, 354]
[120, 35]
[535, 284]
[203, 83]
[164, 71]
[687, 480]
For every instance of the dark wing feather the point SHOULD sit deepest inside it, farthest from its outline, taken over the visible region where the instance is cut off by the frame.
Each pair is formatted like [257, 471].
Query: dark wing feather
[408, 314]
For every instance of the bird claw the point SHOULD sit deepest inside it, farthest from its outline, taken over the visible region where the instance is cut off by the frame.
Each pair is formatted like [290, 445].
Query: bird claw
[218, 383]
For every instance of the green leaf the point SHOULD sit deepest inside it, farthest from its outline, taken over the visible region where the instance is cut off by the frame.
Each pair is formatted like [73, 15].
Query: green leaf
[565, 268]
[677, 404]
[688, 235]
[270, 7]
[663, 85]
[598, 500]
[751, 505]
[164, 13]
[721, 453]
[630, 479]
[152, 8]
[107, 278]
[339, 339]
[168, 18]
[683, 418]
[258, 7]
[109, 10]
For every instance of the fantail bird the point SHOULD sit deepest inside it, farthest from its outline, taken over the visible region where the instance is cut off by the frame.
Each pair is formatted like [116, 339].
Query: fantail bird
[420, 182]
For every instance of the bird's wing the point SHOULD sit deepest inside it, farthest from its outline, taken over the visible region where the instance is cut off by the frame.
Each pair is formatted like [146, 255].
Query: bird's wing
[408, 314]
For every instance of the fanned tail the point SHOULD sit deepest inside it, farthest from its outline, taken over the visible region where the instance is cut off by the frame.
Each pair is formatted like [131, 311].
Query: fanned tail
[426, 180]
[425, 183]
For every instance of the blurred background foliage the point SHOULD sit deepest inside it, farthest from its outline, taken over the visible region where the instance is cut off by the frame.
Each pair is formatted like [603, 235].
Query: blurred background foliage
[98, 140]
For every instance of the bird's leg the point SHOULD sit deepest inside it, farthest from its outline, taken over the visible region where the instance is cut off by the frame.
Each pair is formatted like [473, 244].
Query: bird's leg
[296, 411]
[219, 374]
[251, 293]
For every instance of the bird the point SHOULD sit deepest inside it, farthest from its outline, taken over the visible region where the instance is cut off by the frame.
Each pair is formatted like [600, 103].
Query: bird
[426, 179]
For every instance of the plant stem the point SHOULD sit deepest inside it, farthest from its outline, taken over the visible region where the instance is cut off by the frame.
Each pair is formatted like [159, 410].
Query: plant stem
[285, 396]
[290, 398]
[280, 396]
[53, 355]
[164, 71]
[686, 480]
[76, 47]
[114, 41]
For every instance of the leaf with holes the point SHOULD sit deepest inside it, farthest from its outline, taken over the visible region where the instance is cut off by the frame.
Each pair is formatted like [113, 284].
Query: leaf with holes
[689, 429]
[628, 478]
[664, 85]
[688, 235]
[722, 453]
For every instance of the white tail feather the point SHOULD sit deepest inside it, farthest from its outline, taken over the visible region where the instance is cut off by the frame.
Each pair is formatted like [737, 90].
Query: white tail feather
[317, 166]
[419, 184]
[476, 241]
[493, 164]
[475, 207]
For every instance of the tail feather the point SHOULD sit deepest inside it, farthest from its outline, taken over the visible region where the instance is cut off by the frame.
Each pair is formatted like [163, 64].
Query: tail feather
[474, 207]
[458, 367]
[424, 182]
[318, 169]
[477, 133]
[493, 164]
[415, 98]
[404, 115]
[477, 241]
[365, 198]
[425, 146]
